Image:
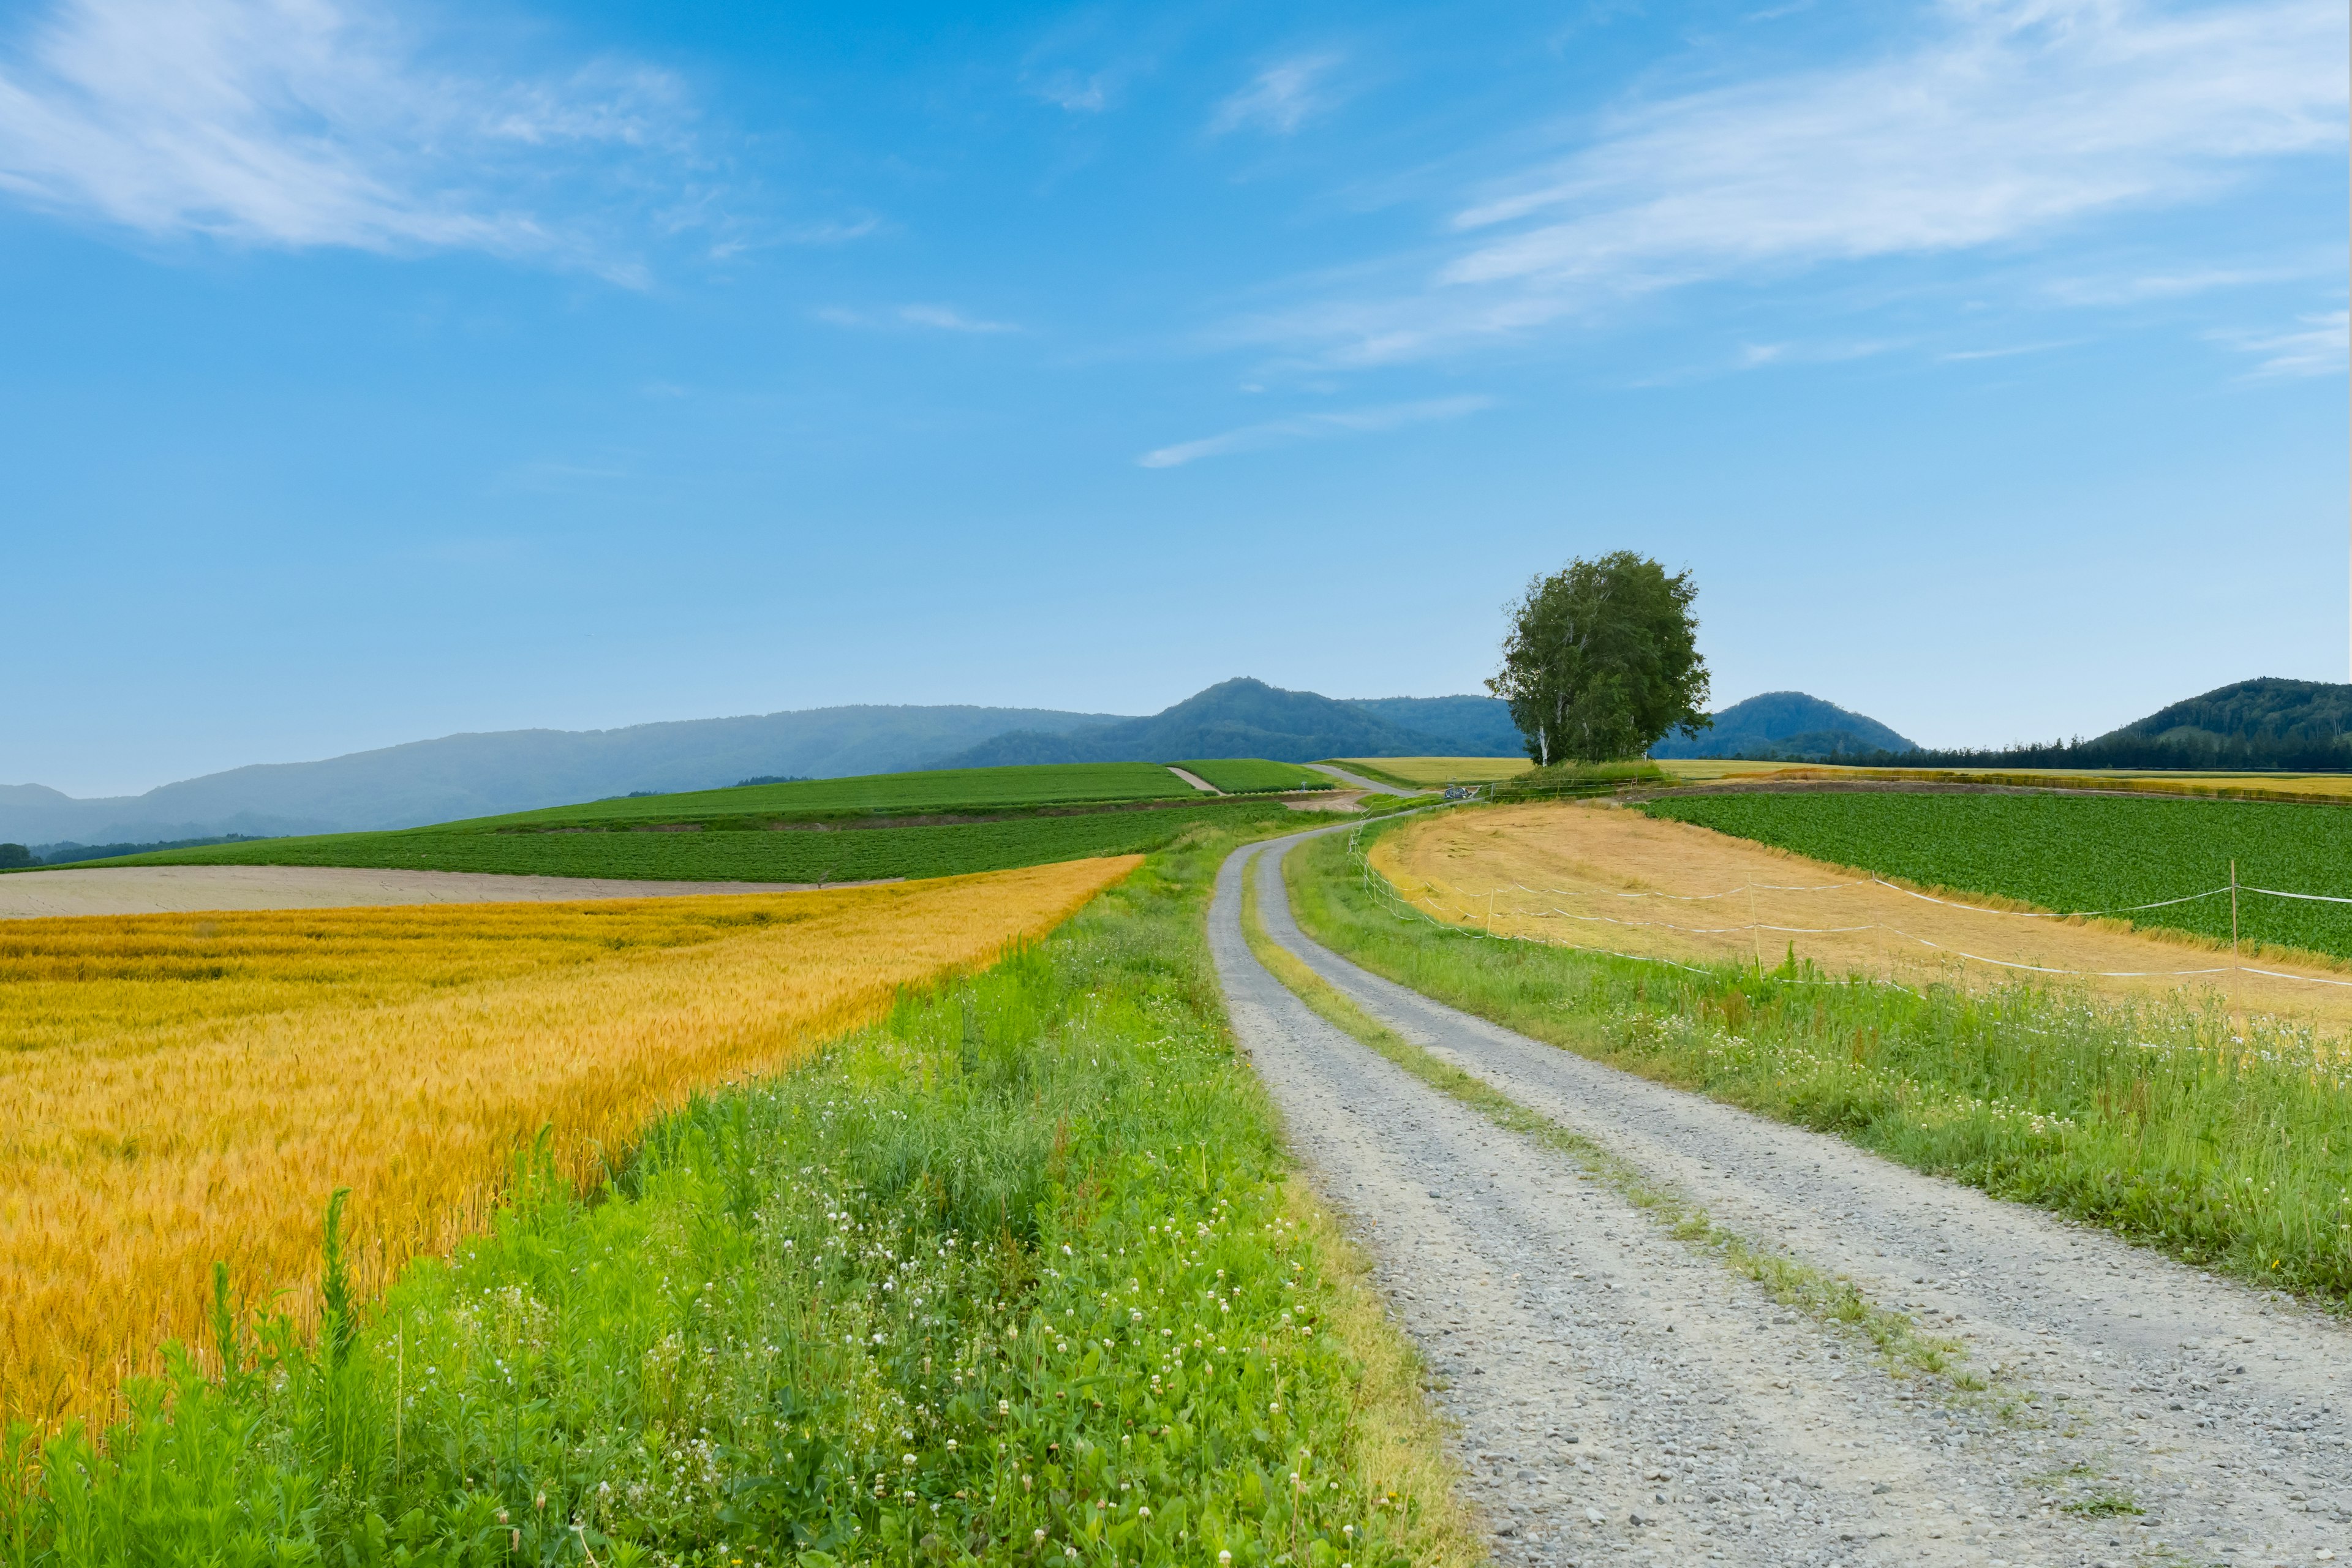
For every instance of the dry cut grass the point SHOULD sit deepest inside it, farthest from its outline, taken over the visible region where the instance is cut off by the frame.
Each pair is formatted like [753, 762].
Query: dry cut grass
[181, 1090]
[1445, 770]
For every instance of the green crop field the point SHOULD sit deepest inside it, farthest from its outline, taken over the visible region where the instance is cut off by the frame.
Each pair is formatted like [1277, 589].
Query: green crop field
[2073, 851]
[1255, 775]
[951, 790]
[791, 855]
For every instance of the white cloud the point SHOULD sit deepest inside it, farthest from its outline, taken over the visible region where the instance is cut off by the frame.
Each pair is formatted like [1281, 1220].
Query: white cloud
[302, 123]
[2017, 118]
[1311, 427]
[1279, 99]
[2317, 347]
[933, 318]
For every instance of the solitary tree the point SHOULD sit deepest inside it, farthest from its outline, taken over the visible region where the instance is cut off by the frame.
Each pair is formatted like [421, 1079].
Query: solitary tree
[15, 855]
[1602, 660]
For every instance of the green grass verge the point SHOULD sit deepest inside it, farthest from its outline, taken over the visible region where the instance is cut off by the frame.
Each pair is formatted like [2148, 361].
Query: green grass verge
[801, 855]
[2063, 851]
[1016, 1276]
[1255, 775]
[1831, 1298]
[2152, 1119]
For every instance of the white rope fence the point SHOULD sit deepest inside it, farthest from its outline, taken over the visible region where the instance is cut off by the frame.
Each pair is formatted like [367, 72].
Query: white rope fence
[1471, 922]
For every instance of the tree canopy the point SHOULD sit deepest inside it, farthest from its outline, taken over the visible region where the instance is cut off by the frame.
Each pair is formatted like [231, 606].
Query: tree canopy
[1601, 660]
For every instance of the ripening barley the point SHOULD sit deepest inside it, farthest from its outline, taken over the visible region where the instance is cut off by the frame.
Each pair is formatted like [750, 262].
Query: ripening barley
[182, 1089]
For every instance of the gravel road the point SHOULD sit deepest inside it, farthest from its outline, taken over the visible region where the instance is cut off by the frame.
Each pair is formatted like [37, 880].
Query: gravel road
[1623, 1397]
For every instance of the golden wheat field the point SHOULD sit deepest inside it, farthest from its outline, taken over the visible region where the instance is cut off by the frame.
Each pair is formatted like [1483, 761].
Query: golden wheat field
[182, 1089]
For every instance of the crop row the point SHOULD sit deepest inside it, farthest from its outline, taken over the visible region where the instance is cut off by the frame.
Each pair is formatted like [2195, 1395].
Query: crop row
[2072, 851]
[946, 790]
[793, 855]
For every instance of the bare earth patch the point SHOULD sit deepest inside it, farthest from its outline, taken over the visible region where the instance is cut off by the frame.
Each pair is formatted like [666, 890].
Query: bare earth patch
[1596, 876]
[173, 889]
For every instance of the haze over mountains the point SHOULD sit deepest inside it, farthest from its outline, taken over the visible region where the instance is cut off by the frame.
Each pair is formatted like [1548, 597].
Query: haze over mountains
[519, 770]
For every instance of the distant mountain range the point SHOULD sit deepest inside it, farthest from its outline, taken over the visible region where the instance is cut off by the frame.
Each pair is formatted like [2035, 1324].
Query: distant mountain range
[2265, 723]
[521, 770]
[1246, 717]
[1786, 724]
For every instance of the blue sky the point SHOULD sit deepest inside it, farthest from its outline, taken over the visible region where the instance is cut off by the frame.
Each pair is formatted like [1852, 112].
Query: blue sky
[378, 371]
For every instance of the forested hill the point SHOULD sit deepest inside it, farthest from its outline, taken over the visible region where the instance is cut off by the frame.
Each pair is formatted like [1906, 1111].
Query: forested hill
[2268, 709]
[2263, 724]
[1786, 724]
[1246, 717]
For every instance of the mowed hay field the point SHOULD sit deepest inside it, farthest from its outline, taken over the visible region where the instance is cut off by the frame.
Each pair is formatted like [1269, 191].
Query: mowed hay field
[1602, 877]
[1440, 771]
[184, 1089]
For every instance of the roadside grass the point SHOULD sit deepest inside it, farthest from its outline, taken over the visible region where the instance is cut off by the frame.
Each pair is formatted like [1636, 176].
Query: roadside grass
[860, 854]
[1016, 1275]
[2156, 1121]
[1787, 1281]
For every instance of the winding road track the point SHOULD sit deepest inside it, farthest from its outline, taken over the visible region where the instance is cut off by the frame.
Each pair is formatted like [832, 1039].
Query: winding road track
[1622, 1397]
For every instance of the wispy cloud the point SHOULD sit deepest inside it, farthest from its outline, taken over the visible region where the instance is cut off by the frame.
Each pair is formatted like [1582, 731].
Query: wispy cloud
[302, 123]
[1279, 99]
[2317, 347]
[2019, 116]
[1313, 427]
[932, 318]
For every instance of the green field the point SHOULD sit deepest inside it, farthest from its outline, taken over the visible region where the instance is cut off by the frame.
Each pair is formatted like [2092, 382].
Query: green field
[1255, 775]
[895, 795]
[786, 855]
[2073, 851]
[1017, 1275]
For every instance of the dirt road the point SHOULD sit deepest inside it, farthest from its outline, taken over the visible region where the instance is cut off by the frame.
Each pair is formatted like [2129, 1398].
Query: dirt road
[1625, 1397]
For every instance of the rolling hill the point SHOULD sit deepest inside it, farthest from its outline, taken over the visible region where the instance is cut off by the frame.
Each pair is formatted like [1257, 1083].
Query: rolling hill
[1239, 717]
[1786, 724]
[517, 770]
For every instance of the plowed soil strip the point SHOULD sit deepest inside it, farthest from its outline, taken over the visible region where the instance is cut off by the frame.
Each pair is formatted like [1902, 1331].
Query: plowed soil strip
[1623, 1398]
